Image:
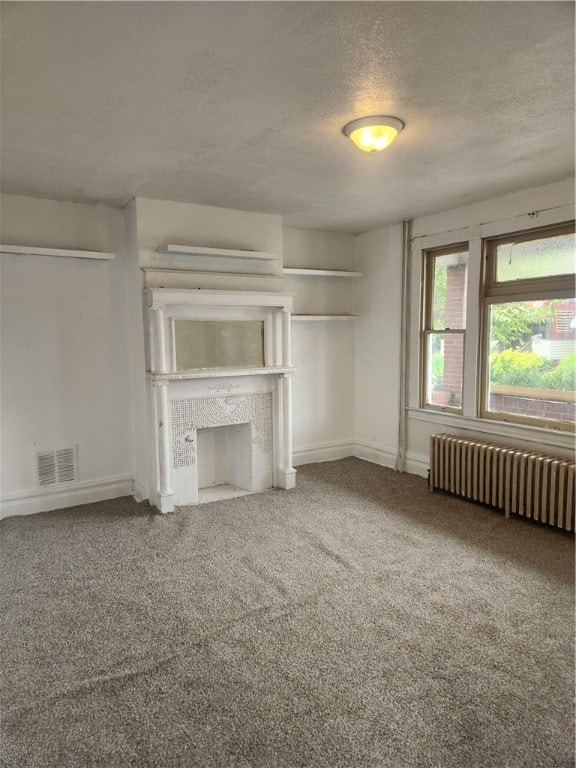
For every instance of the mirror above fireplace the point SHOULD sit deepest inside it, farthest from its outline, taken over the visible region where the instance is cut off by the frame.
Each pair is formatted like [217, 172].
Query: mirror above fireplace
[202, 344]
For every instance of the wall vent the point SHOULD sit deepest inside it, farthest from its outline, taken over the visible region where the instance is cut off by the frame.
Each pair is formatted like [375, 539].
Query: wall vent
[56, 466]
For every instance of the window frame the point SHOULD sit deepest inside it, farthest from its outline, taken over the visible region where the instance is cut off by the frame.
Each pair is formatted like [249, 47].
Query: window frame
[510, 291]
[427, 330]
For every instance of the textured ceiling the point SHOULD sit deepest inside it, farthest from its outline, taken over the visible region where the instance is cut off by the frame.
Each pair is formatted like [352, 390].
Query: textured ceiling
[241, 104]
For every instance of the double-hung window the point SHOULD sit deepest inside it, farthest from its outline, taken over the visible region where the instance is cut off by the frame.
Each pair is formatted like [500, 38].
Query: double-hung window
[529, 329]
[446, 281]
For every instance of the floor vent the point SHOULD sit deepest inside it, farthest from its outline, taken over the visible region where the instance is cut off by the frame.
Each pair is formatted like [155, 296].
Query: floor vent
[518, 482]
[56, 466]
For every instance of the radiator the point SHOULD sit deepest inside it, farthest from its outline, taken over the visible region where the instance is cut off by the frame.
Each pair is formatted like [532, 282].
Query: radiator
[519, 482]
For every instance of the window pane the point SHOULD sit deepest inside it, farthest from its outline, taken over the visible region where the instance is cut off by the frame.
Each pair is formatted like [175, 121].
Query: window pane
[445, 356]
[545, 257]
[532, 369]
[219, 343]
[450, 277]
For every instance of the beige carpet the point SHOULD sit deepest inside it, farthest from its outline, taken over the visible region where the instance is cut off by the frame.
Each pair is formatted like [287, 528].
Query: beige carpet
[356, 622]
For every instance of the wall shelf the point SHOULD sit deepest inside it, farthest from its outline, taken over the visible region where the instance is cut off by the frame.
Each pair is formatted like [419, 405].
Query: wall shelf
[198, 250]
[311, 318]
[321, 272]
[201, 273]
[30, 250]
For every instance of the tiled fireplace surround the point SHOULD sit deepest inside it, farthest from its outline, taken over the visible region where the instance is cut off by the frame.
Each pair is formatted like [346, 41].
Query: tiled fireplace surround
[183, 403]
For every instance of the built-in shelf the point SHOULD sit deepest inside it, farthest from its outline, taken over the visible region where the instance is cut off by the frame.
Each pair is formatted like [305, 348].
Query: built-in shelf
[29, 250]
[200, 273]
[214, 373]
[321, 272]
[324, 317]
[199, 250]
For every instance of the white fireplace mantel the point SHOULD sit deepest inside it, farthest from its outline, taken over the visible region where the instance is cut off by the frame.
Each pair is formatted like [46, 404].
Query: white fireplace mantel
[174, 392]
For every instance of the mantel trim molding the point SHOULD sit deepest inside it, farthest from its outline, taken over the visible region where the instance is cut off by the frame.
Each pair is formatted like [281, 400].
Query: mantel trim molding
[160, 298]
[215, 373]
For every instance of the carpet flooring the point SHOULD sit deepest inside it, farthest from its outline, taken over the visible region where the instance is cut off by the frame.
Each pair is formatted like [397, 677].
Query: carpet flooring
[358, 621]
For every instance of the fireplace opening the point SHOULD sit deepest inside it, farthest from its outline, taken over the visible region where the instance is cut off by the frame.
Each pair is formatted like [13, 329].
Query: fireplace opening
[225, 460]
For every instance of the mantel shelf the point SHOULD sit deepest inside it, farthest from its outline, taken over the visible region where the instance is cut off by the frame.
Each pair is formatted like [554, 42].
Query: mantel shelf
[321, 272]
[216, 373]
[323, 317]
[30, 250]
[199, 250]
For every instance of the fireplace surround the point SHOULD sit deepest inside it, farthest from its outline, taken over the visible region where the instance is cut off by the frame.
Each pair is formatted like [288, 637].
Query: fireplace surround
[183, 402]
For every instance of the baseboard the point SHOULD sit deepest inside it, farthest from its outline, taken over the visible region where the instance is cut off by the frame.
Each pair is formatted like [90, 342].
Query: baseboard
[32, 502]
[312, 454]
[140, 490]
[417, 464]
[386, 457]
[414, 464]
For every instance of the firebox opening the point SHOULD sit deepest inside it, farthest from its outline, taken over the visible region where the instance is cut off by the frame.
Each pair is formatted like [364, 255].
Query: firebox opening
[224, 461]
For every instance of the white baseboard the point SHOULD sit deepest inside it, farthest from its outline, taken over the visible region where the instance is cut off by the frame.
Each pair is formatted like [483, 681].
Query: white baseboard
[140, 491]
[417, 464]
[386, 457]
[312, 454]
[32, 502]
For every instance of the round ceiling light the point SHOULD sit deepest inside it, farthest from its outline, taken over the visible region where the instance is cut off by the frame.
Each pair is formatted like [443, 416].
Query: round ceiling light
[373, 133]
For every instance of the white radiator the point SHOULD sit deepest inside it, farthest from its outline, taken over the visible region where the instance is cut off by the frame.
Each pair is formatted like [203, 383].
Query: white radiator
[517, 481]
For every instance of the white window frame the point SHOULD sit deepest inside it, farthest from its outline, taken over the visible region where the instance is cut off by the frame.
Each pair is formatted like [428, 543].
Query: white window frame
[428, 260]
[502, 292]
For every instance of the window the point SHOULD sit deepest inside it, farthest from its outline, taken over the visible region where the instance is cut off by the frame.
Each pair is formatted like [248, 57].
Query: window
[529, 345]
[446, 282]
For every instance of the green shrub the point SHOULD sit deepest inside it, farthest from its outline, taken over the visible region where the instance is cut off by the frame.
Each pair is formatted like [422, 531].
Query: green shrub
[527, 369]
[563, 376]
[437, 371]
[517, 369]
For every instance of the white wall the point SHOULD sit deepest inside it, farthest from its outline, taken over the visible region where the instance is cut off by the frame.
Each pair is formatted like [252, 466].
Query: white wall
[64, 352]
[379, 253]
[164, 221]
[322, 351]
[378, 302]
[134, 281]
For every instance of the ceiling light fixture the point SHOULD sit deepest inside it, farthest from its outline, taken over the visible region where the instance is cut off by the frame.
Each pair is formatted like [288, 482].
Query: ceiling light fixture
[373, 133]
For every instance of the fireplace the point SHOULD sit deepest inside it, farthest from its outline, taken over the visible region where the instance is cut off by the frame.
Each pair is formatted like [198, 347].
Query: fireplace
[224, 427]
[224, 457]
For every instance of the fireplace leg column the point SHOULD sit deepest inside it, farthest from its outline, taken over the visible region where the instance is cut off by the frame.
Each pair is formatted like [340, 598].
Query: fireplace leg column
[158, 340]
[165, 492]
[287, 473]
[286, 338]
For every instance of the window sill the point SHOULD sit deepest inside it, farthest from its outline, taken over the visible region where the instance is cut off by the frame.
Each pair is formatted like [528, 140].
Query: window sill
[547, 437]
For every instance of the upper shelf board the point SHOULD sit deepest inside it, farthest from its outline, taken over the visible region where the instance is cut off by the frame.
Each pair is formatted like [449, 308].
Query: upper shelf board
[321, 272]
[30, 250]
[320, 318]
[199, 250]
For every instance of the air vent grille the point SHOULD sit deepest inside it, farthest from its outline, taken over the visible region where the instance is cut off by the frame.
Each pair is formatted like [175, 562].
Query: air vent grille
[56, 466]
[46, 468]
